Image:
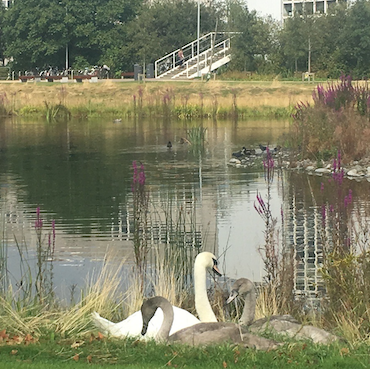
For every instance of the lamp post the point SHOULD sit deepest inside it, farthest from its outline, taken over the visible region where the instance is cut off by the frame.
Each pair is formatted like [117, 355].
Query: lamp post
[198, 35]
[67, 35]
[66, 48]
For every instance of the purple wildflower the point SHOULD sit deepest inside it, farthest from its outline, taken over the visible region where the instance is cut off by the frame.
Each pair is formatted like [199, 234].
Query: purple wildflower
[350, 196]
[323, 213]
[38, 221]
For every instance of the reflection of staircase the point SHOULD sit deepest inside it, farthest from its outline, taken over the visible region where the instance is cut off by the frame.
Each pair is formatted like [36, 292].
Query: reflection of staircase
[214, 51]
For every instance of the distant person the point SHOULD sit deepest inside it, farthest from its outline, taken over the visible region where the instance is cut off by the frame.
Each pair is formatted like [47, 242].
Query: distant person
[105, 70]
[180, 55]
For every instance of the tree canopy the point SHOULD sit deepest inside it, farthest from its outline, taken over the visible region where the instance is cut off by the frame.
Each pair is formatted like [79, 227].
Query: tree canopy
[120, 33]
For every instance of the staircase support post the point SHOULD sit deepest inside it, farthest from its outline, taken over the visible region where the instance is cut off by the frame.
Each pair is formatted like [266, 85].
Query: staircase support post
[198, 33]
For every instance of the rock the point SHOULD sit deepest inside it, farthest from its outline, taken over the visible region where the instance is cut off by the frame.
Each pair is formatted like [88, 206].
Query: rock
[235, 161]
[323, 170]
[355, 173]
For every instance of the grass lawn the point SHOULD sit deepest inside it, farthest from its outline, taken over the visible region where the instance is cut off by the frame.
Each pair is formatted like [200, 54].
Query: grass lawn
[69, 353]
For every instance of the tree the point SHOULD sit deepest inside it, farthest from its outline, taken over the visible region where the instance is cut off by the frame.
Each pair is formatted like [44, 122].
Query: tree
[34, 32]
[166, 26]
[2, 40]
[252, 42]
[37, 31]
[354, 40]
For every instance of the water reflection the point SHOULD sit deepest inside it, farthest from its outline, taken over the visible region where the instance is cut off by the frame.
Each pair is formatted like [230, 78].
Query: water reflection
[79, 173]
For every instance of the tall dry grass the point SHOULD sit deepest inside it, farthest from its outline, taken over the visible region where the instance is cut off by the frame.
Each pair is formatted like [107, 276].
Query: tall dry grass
[126, 98]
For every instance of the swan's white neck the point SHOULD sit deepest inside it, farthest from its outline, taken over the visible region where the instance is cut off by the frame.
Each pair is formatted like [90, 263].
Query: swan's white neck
[202, 304]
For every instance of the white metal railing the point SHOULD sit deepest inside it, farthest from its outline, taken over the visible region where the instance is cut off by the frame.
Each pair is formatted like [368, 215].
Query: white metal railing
[205, 58]
[169, 62]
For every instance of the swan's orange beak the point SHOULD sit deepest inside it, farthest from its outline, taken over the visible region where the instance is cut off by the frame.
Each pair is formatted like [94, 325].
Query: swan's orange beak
[215, 268]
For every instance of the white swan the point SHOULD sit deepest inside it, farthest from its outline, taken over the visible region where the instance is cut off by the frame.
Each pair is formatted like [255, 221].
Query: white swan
[201, 334]
[131, 327]
[284, 324]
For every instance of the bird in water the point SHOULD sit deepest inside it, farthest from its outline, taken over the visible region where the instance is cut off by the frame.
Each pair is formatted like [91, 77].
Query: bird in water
[169, 144]
[263, 148]
[240, 153]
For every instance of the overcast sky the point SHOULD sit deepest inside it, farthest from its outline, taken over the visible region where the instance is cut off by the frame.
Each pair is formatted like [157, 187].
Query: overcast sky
[266, 7]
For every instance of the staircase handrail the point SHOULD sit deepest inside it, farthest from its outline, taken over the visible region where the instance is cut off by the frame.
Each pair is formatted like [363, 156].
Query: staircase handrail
[172, 56]
[224, 43]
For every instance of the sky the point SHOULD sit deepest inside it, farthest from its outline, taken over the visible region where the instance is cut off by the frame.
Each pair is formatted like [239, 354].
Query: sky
[266, 7]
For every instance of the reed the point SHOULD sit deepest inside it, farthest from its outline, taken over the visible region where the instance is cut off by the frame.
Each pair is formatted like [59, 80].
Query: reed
[56, 112]
[197, 136]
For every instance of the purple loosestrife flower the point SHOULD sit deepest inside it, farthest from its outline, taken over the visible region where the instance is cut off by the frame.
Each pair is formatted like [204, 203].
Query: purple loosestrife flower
[142, 176]
[134, 166]
[261, 208]
[38, 221]
[350, 196]
[322, 187]
[134, 176]
[323, 213]
[53, 228]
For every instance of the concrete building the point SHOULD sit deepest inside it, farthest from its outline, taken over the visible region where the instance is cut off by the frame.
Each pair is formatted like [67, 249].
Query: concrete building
[7, 3]
[289, 7]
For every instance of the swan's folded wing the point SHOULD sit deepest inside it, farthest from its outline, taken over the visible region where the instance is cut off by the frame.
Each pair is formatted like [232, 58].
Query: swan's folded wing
[182, 319]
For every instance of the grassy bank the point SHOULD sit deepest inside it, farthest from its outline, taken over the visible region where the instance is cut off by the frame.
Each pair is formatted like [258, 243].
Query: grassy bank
[102, 352]
[181, 99]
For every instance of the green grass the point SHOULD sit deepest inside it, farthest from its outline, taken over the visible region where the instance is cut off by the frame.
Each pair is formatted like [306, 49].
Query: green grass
[68, 353]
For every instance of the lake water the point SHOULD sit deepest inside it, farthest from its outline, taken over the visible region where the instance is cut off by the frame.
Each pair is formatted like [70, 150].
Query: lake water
[80, 174]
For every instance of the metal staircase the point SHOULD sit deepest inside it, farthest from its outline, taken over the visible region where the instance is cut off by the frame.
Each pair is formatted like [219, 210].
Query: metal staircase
[214, 51]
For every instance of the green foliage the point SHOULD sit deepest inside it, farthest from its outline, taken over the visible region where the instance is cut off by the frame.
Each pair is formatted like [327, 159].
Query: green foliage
[338, 120]
[57, 112]
[120, 33]
[354, 51]
[166, 26]
[2, 38]
[253, 40]
[197, 136]
[37, 32]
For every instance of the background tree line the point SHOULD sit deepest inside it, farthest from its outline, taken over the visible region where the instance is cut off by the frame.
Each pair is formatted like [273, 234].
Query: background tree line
[120, 33]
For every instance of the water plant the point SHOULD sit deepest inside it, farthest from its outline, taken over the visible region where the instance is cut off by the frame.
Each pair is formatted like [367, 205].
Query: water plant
[140, 219]
[337, 120]
[197, 135]
[45, 250]
[3, 103]
[277, 292]
[56, 112]
[345, 267]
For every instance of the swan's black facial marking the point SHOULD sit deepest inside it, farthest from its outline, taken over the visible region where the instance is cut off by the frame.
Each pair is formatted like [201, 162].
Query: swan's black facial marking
[215, 268]
[145, 328]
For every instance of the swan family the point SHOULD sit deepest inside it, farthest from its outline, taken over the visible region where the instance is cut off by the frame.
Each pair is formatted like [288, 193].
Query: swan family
[131, 326]
[158, 319]
[201, 334]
